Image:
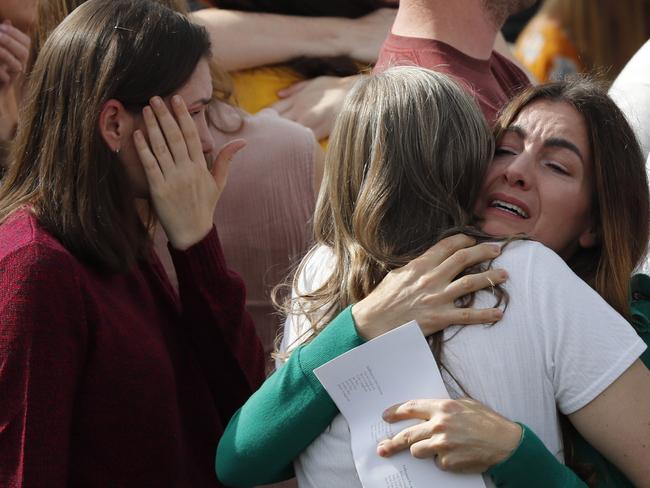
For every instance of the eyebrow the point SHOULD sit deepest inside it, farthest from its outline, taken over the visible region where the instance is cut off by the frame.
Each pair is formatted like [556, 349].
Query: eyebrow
[552, 142]
[202, 101]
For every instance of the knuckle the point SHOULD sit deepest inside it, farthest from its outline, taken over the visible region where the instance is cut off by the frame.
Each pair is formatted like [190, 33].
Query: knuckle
[447, 247]
[418, 451]
[410, 406]
[448, 406]
[406, 438]
[445, 442]
[439, 427]
[465, 283]
[465, 315]
[160, 148]
[461, 257]
[444, 463]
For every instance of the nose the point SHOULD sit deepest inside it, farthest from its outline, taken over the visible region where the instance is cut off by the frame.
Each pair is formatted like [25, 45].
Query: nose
[207, 141]
[519, 172]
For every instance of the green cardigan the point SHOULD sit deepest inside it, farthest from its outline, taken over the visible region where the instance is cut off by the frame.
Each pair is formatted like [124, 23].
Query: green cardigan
[292, 408]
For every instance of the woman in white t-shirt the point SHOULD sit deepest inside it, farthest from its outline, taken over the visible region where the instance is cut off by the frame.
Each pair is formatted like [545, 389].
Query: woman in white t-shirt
[405, 165]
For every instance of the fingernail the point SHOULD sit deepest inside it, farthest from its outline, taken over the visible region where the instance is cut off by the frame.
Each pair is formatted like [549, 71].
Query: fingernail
[176, 99]
[498, 314]
[381, 450]
[503, 274]
[147, 110]
[156, 101]
[496, 248]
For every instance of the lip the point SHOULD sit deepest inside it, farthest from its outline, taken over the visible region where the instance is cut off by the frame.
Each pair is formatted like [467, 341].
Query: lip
[508, 199]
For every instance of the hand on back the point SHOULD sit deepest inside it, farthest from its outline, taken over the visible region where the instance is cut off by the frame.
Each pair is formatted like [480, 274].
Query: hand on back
[426, 290]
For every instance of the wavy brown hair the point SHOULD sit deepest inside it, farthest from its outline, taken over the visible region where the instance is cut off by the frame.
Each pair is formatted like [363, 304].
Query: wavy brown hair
[129, 50]
[620, 202]
[404, 166]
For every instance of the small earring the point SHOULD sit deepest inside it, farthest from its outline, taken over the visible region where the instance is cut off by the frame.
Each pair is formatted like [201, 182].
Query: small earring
[117, 151]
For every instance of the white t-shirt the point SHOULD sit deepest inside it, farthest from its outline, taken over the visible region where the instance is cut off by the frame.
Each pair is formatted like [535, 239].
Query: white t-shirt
[631, 92]
[559, 344]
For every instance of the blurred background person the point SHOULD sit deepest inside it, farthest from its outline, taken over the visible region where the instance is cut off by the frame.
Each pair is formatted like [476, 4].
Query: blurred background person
[311, 52]
[17, 18]
[577, 36]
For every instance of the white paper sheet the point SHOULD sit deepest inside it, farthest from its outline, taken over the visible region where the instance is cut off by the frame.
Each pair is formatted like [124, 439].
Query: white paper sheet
[393, 368]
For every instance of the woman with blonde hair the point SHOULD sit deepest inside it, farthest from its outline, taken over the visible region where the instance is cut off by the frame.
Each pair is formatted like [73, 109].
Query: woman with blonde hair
[409, 161]
[108, 377]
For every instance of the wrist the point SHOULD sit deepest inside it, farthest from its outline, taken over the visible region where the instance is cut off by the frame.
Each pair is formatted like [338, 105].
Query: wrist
[512, 434]
[183, 241]
[368, 327]
[336, 36]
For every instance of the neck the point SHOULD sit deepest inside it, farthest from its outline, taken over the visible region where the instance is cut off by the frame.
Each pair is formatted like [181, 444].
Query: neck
[463, 24]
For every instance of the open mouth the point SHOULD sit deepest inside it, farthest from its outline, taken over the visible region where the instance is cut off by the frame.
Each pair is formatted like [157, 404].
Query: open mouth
[509, 207]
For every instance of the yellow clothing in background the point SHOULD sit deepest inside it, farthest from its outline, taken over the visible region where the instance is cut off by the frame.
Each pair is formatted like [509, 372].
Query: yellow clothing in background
[257, 88]
[545, 49]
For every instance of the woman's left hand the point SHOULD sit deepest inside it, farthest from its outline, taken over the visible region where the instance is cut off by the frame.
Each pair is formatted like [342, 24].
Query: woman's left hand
[461, 435]
[183, 191]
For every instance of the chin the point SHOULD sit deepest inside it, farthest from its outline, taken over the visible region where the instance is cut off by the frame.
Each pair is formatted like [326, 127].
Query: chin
[500, 229]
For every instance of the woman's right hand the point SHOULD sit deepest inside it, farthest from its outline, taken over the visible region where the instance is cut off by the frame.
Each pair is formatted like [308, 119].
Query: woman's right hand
[183, 191]
[425, 290]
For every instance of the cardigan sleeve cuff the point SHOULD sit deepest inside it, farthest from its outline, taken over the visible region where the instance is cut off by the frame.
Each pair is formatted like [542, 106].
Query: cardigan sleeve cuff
[337, 338]
[531, 464]
[204, 261]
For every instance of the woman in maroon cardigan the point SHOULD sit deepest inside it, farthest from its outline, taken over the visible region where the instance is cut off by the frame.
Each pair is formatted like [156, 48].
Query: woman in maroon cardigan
[108, 378]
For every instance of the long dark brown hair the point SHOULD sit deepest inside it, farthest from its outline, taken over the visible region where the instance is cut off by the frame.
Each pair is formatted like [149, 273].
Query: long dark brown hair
[620, 207]
[129, 50]
[620, 202]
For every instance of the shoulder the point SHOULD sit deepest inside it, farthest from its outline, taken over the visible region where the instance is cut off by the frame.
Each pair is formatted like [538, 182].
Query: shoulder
[528, 254]
[542, 279]
[39, 278]
[272, 131]
[315, 268]
[29, 254]
[25, 244]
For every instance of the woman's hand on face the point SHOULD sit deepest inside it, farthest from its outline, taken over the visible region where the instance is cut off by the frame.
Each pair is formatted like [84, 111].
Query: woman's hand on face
[462, 435]
[426, 290]
[183, 191]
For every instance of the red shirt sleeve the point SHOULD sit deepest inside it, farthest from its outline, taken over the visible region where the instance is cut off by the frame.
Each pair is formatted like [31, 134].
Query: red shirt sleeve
[221, 331]
[42, 345]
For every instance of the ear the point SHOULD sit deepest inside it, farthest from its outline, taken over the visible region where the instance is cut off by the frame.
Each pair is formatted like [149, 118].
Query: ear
[115, 124]
[589, 238]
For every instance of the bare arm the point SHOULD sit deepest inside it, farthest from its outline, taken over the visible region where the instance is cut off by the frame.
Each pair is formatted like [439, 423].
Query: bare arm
[246, 39]
[617, 423]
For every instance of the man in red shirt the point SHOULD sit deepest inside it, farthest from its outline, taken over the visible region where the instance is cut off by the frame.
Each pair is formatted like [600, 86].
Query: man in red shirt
[458, 38]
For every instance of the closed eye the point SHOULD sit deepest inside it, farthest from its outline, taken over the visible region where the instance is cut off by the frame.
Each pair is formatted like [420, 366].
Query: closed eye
[558, 168]
[502, 151]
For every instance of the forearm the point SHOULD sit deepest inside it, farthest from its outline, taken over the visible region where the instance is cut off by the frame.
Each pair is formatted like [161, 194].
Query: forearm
[286, 414]
[219, 328]
[245, 39]
[531, 464]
